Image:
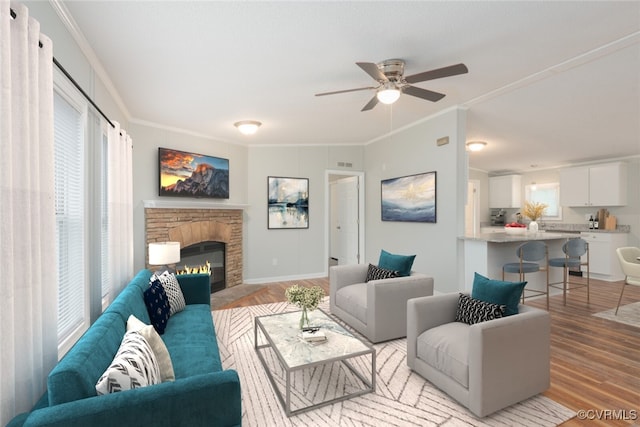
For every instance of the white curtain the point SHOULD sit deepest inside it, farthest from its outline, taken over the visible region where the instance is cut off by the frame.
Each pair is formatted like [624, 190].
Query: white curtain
[120, 205]
[28, 286]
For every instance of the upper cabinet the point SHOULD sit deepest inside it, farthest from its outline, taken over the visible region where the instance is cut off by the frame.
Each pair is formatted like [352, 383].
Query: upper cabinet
[505, 191]
[596, 185]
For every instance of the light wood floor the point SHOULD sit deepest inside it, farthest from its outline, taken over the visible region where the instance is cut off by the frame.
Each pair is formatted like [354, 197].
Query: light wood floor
[595, 363]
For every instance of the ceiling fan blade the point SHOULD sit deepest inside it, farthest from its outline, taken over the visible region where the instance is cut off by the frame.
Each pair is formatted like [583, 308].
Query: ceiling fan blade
[439, 73]
[373, 70]
[372, 103]
[423, 93]
[344, 91]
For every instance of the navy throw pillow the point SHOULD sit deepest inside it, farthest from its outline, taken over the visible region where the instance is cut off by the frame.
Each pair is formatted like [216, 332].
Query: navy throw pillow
[155, 298]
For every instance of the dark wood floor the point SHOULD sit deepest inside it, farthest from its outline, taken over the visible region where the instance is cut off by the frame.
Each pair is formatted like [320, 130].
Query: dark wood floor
[595, 363]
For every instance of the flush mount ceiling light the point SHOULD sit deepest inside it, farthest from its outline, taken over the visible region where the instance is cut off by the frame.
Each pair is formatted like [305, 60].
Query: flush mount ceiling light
[388, 94]
[476, 145]
[247, 127]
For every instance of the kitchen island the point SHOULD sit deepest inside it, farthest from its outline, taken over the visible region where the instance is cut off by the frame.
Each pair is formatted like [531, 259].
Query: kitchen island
[486, 253]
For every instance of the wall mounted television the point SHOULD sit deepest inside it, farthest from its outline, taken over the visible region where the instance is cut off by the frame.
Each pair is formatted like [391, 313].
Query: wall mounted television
[186, 174]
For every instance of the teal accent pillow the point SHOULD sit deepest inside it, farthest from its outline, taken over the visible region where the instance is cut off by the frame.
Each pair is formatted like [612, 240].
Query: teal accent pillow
[498, 292]
[400, 263]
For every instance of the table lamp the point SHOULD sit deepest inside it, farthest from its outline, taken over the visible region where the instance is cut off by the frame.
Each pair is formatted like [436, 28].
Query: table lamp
[164, 253]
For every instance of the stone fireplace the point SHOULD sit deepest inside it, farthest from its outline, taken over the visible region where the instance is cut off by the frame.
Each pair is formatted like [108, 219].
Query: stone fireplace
[191, 226]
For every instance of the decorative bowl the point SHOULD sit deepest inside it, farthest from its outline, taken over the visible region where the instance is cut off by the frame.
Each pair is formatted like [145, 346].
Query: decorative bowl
[515, 230]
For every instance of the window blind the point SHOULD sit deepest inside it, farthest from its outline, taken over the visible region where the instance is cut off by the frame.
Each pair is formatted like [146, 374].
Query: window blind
[69, 204]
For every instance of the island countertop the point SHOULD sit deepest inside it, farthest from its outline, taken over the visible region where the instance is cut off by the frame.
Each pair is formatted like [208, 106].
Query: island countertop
[509, 238]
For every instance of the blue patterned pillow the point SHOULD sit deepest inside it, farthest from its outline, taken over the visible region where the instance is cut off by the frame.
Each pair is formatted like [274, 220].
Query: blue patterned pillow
[472, 311]
[377, 273]
[155, 298]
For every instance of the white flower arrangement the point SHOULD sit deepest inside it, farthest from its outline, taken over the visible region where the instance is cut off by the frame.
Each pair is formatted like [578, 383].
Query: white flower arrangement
[308, 298]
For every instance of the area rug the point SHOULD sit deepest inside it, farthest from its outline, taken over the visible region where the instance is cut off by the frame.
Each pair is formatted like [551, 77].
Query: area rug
[402, 397]
[628, 314]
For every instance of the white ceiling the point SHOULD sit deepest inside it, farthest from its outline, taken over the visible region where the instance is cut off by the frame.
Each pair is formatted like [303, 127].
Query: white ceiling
[549, 83]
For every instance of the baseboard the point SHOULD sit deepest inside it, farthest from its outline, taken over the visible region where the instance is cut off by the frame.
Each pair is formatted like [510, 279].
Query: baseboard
[262, 280]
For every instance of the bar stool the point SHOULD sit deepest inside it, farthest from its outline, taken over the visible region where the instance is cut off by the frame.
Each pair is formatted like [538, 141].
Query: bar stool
[530, 254]
[574, 250]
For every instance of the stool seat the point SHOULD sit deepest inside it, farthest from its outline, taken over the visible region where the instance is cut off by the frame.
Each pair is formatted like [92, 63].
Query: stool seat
[565, 262]
[527, 267]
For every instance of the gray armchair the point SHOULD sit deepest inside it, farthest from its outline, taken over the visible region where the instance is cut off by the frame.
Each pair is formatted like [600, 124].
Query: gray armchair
[378, 308]
[486, 366]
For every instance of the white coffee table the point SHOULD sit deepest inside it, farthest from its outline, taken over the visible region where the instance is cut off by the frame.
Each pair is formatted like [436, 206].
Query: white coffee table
[280, 333]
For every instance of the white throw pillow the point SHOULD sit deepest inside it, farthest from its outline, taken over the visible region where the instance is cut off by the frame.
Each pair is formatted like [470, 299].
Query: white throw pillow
[134, 366]
[157, 345]
[173, 291]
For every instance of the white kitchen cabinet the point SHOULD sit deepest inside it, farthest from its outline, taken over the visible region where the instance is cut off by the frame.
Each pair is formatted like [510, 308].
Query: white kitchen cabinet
[603, 261]
[505, 191]
[596, 185]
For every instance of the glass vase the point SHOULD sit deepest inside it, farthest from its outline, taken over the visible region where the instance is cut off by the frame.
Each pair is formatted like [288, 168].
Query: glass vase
[304, 319]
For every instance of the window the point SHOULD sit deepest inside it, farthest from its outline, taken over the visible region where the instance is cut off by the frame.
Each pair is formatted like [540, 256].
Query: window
[548, 194]
[69, 169]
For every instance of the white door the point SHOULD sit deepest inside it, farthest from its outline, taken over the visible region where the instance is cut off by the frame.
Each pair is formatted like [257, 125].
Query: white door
[346, 225]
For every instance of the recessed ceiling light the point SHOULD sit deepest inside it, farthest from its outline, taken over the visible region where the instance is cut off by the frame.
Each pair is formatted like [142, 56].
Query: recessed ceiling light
[476, 145]
[247, 127]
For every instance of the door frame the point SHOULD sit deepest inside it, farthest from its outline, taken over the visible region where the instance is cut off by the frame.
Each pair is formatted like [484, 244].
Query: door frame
[327, 212]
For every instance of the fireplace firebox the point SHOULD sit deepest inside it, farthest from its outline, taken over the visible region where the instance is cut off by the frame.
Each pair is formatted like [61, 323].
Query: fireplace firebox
[201, 253]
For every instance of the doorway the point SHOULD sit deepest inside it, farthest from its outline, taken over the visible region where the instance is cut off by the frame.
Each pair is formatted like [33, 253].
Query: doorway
[344, 213]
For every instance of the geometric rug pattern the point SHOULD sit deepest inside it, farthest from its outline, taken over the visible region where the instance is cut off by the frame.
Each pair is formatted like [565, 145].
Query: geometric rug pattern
[628, 314]
[402, 397]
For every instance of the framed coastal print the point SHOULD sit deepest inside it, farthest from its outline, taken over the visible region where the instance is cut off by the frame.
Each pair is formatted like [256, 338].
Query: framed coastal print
[288, 202]
[192, 175]
[409, 198]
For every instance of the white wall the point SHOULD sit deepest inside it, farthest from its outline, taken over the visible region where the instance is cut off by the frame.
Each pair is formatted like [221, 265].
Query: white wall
[273, 255]
[413, 151]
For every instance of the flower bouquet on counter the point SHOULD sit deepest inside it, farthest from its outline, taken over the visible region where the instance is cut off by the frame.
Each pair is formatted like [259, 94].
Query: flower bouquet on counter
[305, 298]
[534, 210]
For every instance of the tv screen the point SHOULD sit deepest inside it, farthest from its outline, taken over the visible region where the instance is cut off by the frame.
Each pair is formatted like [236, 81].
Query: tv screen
[192, 175]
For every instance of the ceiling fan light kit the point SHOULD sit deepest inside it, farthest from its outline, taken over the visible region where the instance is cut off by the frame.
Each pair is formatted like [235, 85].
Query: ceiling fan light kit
[476, 145]
[389, 75]
[247, 127]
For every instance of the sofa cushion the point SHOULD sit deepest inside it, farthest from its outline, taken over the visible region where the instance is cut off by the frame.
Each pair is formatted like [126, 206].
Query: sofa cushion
[75, 376]
[400, 263]
[130, 301]
[446, 348]
[498, 292]
[471, 310]
[353, 300]
[157, 304]
[134, 366]
[191, 340]
[157, 345]
[173, 291]
[376, 273]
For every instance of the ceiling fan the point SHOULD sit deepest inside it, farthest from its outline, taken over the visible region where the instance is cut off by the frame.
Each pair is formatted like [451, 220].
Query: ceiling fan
[391, 81]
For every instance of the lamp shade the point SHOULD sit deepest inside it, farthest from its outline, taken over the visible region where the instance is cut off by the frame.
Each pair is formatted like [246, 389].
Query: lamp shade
[247, 127]
[388, 95]
[164, 253]
[476, 145]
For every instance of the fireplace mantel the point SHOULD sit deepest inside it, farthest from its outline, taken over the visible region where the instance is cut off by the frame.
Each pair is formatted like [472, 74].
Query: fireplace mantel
[190, 204]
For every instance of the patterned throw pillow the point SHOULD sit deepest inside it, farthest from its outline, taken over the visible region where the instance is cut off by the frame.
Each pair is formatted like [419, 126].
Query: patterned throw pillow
[157, 345]
[173, 291]
[134, 366]
[471, 311]
[157, 305]
[375, 273]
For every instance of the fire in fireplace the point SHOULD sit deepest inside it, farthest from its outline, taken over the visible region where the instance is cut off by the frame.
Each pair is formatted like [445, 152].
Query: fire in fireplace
[202, 253]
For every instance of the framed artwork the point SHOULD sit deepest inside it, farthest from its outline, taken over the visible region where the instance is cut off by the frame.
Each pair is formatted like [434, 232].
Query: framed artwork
[288, 200]
[192, 175]
[409, 198]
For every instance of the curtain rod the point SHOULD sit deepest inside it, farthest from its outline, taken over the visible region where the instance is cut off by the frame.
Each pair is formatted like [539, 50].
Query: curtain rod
[72, 80]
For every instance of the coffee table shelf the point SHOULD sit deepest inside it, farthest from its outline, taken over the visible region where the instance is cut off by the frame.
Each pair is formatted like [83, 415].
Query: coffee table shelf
[280, 333]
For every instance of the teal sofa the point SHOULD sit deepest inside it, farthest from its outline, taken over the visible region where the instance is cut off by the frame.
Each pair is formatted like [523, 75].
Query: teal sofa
[203, 394]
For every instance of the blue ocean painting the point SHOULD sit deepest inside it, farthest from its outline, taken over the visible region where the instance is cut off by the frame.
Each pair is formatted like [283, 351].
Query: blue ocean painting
[409, 198]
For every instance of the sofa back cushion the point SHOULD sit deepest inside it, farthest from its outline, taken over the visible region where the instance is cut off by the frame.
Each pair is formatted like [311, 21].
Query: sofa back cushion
[75, 376]
[131, 301]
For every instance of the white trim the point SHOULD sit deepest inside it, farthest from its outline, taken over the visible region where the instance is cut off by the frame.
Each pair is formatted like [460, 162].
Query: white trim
[262, 280]
[190, 204]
